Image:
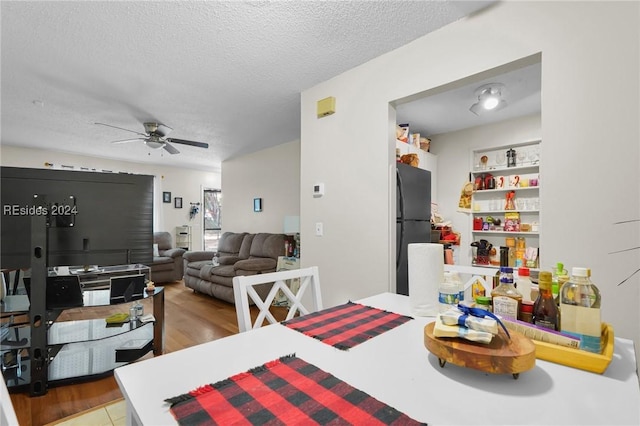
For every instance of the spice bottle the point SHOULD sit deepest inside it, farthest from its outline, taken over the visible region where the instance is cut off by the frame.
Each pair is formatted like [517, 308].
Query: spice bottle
[580, 309]
[545, 310]
[506, 297]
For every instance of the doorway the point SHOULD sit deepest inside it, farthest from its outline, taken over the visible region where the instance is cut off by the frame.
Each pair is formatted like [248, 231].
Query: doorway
[212, 218]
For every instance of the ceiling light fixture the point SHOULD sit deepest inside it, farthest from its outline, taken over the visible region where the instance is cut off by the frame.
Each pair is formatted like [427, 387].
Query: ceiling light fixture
[489, 98]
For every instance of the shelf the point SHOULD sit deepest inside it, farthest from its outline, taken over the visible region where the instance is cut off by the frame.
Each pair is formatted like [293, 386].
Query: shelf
[490, 212]
[526, 168]
[516, 189]
[93, 357]
[15, 304]
[65, 332]
[507, 233]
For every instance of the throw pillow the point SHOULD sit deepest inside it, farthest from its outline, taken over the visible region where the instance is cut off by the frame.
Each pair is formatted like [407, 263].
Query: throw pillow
[155, 251]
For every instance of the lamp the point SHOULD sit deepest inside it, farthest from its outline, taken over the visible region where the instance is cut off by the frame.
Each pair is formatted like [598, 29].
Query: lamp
[291, 225]
[489, 98]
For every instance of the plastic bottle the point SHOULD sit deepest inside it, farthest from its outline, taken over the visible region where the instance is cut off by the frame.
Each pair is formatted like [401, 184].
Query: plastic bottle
[558, 277]
[448, 293]
[484, 302]
[456, 279]
[545, 310]
[523, 284]
[506, 298]
[580, 308]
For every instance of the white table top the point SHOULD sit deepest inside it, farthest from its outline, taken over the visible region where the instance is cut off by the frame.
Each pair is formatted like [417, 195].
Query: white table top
[396, 368]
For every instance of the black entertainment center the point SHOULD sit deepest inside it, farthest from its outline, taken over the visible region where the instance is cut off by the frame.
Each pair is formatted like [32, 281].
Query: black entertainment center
[57, 217]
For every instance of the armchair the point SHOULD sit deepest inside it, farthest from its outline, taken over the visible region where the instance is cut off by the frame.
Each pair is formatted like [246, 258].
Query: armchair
[167, 263]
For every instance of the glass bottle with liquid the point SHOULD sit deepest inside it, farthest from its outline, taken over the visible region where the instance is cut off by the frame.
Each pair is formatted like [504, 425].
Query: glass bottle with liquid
[545, 310]
[580, 309]
[506, 298]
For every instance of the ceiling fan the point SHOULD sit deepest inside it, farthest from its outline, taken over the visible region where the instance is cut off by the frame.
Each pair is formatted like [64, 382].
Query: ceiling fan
[155, 137]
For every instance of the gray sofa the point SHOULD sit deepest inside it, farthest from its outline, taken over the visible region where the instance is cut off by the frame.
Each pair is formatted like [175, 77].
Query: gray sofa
[167, 267]
[238, 254]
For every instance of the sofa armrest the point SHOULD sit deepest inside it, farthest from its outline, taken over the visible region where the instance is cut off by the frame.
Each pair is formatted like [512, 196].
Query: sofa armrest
[195, 256]
[174, 252]
[255, 264]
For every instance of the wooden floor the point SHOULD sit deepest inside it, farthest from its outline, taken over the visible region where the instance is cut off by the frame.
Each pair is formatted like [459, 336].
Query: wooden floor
[190, 319]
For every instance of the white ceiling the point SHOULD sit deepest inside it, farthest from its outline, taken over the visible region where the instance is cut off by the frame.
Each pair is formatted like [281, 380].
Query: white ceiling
[228, 73]
[448, 110]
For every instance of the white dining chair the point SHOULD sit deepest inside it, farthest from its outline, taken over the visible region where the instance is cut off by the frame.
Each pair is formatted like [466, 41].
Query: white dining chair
[243, 291]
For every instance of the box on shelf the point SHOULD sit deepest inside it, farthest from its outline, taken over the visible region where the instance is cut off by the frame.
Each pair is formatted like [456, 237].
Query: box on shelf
[512, 222]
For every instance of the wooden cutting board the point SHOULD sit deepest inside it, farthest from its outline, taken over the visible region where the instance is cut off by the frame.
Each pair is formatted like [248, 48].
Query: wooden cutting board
[501, 356]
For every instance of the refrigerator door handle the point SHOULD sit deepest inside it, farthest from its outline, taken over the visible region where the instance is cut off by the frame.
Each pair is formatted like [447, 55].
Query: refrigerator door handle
[400, 219]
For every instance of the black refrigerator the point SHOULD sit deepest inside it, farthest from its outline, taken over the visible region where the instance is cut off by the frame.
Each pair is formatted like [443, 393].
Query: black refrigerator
[413, 217]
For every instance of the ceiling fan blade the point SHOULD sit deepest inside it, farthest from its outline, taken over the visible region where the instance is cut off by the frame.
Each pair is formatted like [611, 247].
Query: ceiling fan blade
[128, 140]
[170, 148]
[121, 128]
[163, 130]
[191, 143]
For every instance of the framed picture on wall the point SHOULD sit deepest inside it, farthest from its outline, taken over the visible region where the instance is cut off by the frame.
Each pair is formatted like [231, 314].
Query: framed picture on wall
[177, 202]
[166, 197]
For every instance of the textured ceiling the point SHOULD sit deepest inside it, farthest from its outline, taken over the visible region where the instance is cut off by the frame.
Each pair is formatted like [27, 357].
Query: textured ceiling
[226, 73]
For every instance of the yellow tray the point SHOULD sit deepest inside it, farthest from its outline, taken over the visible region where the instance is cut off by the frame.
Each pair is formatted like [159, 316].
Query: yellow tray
[584, 360]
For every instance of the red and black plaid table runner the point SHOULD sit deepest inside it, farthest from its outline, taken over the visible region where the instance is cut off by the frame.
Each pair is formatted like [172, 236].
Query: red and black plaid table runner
[287, 391]
[345, 326]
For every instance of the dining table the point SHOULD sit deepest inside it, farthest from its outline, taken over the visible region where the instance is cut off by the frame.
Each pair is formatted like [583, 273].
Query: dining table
[395, 368]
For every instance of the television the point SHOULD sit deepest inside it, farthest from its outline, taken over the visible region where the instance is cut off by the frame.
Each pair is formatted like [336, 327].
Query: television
[90, 218]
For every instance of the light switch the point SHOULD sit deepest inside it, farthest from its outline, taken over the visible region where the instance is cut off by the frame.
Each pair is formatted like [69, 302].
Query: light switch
[319, 229]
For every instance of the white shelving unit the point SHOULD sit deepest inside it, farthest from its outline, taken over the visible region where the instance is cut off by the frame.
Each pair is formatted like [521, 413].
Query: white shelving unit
[183, 237]
[523, 179]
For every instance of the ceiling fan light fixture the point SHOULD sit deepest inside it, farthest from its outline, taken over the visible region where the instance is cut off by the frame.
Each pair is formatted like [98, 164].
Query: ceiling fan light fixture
[155, 144]
[489, 99]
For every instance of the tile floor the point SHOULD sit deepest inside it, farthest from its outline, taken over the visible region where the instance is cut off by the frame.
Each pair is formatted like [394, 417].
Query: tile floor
[113, 414]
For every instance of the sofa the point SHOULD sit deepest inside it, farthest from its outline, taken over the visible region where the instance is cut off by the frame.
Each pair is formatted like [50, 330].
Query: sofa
[167, 265]
[238, 254]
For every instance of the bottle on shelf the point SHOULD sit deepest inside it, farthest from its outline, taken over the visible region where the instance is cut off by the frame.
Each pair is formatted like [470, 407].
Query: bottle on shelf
[545, 310]
[580, 309]
[507, 300]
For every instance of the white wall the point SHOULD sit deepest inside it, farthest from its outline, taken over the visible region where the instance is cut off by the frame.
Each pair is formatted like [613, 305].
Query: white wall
[184, 183]
[454, 152]
[272, 174]
[590, 151]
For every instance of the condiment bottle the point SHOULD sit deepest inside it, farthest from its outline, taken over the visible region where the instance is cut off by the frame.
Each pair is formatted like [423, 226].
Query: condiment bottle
[545, 310]
[506, 297]
[526, 314]
[523, 284]
[483, 302]
[580, 309]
